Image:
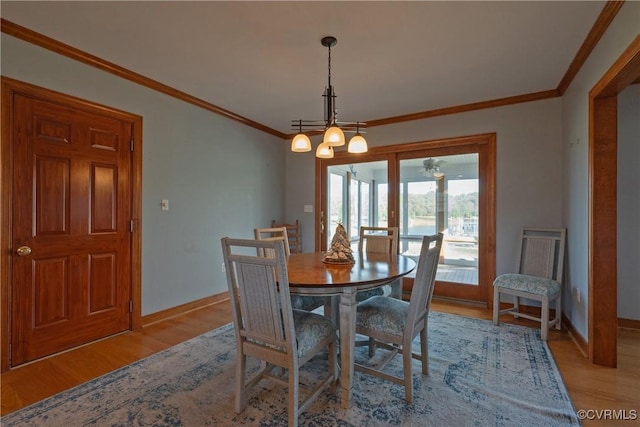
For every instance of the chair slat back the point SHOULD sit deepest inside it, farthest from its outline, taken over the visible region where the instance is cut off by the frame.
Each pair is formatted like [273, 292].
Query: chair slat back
[293, 233]
[542, 252]
[272, 234]
[424, 282]
[259, 292]
[378, 239]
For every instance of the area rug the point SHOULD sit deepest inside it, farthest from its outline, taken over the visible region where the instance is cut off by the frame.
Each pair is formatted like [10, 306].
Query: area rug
[480, 375]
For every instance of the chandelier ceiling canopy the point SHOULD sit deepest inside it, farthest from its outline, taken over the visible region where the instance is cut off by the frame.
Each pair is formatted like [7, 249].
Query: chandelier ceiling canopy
[334, 130]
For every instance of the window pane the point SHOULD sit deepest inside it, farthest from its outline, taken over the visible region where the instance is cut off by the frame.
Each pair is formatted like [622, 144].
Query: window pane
[336, 205]
[382, 203]
[365, 197]
[354, 210]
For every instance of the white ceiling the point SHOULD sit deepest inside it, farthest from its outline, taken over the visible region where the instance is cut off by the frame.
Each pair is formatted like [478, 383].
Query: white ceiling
[264, 60]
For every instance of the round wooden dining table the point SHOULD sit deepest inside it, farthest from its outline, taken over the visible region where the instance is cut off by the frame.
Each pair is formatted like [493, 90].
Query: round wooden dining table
[309, 275]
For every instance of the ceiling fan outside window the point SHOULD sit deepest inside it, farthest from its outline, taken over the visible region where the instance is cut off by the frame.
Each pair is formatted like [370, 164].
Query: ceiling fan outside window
[432, 167]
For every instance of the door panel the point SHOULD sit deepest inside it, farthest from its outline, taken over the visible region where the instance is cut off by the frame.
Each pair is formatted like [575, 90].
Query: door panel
[51, 282]
[104, 190]
[102, 282]
[72, 207]
[52, 185]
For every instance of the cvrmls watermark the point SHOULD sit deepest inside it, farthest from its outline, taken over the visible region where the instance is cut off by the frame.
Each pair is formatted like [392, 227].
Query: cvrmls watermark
[608, 414]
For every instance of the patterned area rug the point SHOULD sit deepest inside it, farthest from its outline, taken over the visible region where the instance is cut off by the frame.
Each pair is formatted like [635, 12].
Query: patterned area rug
[480, 375]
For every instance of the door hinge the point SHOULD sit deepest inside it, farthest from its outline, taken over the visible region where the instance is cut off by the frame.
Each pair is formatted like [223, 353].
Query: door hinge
[131, 226]
[130, 306]
[131, 143]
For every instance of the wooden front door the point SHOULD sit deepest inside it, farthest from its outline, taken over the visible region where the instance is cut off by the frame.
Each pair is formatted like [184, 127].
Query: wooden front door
[71, 233]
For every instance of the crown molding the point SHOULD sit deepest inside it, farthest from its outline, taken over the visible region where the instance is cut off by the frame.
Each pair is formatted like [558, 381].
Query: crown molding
[493, 103]
[609, 11]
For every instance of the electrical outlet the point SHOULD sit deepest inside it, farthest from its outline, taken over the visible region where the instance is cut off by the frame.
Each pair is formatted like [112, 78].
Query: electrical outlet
[578, 296]
[224, 270]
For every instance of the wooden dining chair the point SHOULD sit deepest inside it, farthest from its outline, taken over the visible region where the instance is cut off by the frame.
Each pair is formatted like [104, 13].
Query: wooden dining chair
[302, 302]
[267, 328]
[538, 277]
[380, 239]
[293, 234]
[272, 234]
[394, 323]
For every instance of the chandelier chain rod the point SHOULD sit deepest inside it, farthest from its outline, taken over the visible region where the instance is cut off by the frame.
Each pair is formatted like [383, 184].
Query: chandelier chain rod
[329, 66]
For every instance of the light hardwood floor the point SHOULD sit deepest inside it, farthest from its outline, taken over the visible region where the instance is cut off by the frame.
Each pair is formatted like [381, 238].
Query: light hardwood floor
[590, 387]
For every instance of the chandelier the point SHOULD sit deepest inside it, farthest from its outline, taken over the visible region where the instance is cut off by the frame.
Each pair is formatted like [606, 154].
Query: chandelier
[333, 129]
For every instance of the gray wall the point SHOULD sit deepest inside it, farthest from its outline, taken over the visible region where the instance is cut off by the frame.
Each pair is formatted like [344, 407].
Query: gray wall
[221, 178]
[629, 203]
[575, 162]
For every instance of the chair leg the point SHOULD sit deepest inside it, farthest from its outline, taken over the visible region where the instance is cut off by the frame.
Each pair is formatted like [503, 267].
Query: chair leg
[424, 350]
[333, 366]
[372, 347]
[241, 367]
[496, 305]
[293, 396]
[559, 312]
[544, 320]
[406, 370]
[516, 305]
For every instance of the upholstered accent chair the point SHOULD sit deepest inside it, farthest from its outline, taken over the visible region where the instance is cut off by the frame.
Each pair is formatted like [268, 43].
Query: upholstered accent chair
[380, 239]
[301, 302]
[394, 323]
[267, 328]
[539, 271]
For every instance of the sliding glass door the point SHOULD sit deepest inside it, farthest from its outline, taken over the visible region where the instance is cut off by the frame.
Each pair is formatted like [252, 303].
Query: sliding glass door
[422, 188]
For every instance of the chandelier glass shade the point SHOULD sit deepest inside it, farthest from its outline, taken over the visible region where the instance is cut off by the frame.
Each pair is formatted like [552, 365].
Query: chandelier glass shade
[357, 144]
[334, 136]
[300, 143]
[333, 130]
[324, 151]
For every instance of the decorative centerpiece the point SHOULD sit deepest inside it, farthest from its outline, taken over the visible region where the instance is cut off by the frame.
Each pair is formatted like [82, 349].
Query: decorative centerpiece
[340, 251]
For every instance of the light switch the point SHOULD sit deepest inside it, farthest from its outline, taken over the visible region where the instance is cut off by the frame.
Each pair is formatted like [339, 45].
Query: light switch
[308, 208]
[164, 204]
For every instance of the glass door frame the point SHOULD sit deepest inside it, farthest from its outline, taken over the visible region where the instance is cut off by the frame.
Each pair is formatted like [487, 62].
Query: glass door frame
[484, 145]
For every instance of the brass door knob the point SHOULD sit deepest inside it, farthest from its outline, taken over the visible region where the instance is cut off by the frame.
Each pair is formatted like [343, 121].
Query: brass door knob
[23, 250]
